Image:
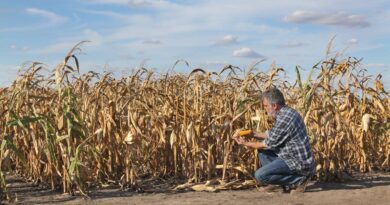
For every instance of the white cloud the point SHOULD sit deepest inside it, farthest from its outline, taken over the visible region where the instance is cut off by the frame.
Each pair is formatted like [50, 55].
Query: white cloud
[247, 53]
[353, 41]
[376, 65]
[292, 45]
[136, 3]
[54, 18]
[151, 41]
[187, 29]
[119, 16]
[195, 19]
[227, 40]
[15, 47]
[51, 17]
[139, 3]
[327, 18]
[120, 2]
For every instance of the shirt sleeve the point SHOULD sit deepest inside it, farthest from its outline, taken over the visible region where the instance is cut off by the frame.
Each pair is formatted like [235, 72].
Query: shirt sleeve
[279, 132]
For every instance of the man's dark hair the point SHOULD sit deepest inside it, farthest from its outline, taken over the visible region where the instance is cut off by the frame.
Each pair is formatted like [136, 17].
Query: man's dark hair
[274, 96]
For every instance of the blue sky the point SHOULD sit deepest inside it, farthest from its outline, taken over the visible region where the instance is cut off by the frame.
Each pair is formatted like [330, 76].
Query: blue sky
[209, 34]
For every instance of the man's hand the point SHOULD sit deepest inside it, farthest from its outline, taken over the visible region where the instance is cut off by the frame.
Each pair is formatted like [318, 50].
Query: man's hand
[240, 140]
[246, 140]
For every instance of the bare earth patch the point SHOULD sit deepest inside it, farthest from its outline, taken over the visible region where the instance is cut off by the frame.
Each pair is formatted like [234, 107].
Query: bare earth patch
[363, 189]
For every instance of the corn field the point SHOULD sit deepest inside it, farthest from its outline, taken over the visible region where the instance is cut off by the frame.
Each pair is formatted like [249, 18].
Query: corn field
[70, 130]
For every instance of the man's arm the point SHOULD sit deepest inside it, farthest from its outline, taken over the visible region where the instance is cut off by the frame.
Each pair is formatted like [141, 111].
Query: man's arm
[260, 135]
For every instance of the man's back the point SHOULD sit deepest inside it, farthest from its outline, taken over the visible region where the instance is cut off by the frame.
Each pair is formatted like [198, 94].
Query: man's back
[288, 138]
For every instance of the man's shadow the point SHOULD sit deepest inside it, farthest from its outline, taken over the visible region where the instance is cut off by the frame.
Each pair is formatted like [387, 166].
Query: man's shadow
[351, 184]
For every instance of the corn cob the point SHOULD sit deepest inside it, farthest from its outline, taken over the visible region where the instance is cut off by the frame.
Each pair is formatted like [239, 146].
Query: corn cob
[245, 133]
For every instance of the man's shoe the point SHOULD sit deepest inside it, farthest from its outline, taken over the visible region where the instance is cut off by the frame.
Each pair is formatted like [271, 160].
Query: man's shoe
[300, 188]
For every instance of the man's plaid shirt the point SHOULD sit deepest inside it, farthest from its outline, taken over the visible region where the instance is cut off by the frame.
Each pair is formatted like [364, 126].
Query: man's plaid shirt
[288, 139]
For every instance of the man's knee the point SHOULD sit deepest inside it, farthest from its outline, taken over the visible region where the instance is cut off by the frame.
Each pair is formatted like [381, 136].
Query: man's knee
[261, 176]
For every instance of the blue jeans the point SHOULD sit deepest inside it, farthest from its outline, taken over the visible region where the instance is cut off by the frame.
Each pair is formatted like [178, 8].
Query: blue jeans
[274, 170]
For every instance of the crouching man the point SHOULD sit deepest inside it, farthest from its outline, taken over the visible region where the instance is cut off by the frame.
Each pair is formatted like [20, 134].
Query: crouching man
[284, 152]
